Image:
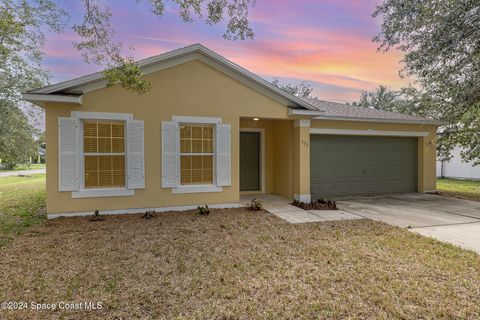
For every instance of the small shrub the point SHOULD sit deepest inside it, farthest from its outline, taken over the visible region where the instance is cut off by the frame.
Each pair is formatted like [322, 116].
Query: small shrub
[149, 214]
[320, 204]
[255, 205]
[203, 210]
[96, 216]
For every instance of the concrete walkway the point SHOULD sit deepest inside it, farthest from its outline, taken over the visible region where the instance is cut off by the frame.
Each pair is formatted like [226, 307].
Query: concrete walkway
[21, 173]
[284, 210]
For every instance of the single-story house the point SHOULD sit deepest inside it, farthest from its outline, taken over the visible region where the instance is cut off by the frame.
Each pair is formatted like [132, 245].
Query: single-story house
[210, 131]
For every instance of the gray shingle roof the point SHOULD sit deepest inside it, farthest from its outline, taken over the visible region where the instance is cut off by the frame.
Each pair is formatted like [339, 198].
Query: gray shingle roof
[341, 110]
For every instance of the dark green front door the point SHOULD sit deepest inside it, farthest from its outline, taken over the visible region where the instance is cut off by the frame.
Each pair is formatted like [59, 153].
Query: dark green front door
[249, 161]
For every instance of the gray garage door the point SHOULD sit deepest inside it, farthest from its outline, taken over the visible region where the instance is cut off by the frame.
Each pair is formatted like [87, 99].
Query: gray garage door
[350, 165]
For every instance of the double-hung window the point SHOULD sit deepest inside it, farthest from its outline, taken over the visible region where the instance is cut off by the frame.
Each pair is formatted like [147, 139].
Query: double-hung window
[197, 154]
[104, 154]
[101, 154]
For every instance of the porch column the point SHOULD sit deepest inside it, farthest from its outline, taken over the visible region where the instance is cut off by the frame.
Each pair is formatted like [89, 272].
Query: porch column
[301, 161]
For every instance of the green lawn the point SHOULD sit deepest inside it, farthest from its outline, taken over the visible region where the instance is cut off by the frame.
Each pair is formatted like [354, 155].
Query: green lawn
[464, 189]
[22, 202]
[236, 264]
[20, 167]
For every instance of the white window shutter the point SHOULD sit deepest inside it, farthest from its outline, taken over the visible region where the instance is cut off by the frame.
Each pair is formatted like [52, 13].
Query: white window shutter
[223, 154]
[135, 155]
[67, 154]
[170, 155]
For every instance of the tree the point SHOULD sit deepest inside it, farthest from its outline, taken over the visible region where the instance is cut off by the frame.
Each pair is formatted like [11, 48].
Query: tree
[21, 41]
[97, 38]
[382, 98]
[22, 26]
[303, 89]
[97, 42]
[16, 135]
[441, 42]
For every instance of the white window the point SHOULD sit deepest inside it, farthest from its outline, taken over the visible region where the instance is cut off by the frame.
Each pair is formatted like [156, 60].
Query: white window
[195, 154]
[101, 154]
[103, 158]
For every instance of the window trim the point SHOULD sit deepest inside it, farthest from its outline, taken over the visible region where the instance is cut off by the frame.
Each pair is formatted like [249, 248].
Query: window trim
[99, 192]
[196, 188]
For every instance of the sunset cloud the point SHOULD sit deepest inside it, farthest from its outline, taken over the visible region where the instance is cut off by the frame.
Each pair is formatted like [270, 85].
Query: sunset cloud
[327, 43]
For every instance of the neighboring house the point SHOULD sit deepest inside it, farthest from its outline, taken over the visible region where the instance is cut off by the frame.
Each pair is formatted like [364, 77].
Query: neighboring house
[40, 157]
[456, 168]
[210, 131]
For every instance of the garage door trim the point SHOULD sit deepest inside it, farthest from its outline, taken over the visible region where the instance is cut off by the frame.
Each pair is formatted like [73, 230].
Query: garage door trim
[369, 132]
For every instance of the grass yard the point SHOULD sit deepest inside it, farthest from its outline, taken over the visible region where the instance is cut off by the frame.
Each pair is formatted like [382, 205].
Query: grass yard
[22, 202]
[237, 264]
[464, 189]
[20, 167]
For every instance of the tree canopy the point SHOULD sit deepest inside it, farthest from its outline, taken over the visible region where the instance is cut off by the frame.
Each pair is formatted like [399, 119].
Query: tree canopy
[22, 26]
[441, 43]
[382, 98]
[98, 45]
[22, 39]
[302, 89]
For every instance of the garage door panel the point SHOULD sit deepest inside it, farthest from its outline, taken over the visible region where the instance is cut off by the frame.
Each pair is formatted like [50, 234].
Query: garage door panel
[343, 165]
[360, 173]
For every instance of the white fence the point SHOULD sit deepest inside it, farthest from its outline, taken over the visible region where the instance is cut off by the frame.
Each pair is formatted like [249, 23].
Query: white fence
[455, 168]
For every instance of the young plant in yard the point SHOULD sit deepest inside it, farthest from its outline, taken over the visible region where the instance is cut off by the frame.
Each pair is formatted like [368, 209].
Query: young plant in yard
[149, 214]
[203, 210]
[96, 216]
[255, 205]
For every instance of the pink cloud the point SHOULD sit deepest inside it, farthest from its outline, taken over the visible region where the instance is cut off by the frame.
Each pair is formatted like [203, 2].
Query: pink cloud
[326, 42]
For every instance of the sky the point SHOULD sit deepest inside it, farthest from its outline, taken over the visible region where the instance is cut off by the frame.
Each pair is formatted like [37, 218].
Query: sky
[327, 43]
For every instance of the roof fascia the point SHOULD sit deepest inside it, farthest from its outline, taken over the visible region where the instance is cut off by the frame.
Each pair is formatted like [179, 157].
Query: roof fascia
[40, 99]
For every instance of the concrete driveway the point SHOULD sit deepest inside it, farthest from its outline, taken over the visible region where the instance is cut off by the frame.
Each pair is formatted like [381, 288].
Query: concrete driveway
[447, 219]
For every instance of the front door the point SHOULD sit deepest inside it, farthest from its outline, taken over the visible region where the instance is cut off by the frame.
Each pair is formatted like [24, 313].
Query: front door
[250, 161]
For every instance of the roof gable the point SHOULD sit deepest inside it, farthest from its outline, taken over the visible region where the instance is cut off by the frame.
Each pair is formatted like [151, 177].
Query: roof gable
[72, 91]
[96, 80]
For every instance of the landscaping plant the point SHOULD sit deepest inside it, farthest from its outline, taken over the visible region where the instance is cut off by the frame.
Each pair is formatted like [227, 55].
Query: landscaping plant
[320, 204]
[255, 205]
[203, 210]
[96, 216]
[149, 214]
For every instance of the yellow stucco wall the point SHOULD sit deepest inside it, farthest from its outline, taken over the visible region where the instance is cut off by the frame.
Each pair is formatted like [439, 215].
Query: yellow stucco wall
[283, 161]
[189, 89]
[196, 89]
[301, 163]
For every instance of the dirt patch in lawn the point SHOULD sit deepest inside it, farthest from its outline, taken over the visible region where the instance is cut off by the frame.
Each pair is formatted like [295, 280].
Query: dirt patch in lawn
[236, 264]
